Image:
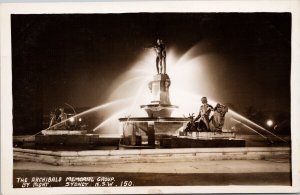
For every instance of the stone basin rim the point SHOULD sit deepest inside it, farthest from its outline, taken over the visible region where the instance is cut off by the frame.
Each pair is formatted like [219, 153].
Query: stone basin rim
[155, 119]
[159, 105]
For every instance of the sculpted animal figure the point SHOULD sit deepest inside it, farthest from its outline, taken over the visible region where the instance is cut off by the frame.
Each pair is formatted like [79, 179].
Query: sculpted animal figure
[217, 120]
[191, 126]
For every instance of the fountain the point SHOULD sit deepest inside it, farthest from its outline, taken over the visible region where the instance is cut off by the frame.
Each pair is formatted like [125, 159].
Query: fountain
[158, 129]
[63, 134]
[159, 120]
[162, 130]
[67, 133]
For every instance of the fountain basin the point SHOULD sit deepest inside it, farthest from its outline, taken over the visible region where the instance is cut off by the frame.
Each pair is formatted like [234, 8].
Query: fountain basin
[145, 132]
[159, 110]
[168, 132]
[67, 139]
[64, 132]
[200, 142]
[154, 119]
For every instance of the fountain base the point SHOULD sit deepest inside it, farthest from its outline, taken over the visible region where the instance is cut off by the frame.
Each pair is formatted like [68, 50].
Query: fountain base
[64, 132]
[190, 142]
[145, 132]
[168, 132]
[67, 139]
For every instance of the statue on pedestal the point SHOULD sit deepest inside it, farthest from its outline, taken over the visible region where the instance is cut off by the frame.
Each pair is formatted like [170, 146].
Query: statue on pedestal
[160, 105]
[160, 50]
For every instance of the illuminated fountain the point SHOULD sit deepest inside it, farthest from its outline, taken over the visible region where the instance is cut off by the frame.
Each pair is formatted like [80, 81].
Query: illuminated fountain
[154, 125]
[161, 130]
[159, 119]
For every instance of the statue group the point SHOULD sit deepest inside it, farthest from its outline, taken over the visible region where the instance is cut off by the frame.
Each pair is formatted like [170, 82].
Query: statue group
[206, 123]
[58, 119]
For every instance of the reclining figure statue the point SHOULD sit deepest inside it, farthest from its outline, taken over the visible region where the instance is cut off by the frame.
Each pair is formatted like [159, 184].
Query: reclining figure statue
[216, 121]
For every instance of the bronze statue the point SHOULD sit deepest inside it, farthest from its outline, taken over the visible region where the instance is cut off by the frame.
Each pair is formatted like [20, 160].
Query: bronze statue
[192, 124]
[216, 122]
[160, 50]
[203, 115]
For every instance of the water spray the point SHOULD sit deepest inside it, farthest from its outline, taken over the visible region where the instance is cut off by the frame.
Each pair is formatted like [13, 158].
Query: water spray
[83, 113]
[260, 127]
[109, 119]
[249, 128]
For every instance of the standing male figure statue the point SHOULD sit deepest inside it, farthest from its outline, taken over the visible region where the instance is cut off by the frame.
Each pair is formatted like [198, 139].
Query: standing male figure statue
[160, 50]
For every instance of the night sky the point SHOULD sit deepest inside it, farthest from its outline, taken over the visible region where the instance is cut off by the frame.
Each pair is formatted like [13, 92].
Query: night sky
[75, 57]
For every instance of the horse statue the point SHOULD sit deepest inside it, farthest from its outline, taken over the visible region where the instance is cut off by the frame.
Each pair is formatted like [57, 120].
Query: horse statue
[217, 120]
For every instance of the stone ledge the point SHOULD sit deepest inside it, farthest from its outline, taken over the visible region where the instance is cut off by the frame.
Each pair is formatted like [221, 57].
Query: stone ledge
[154, 151]
[149, 155]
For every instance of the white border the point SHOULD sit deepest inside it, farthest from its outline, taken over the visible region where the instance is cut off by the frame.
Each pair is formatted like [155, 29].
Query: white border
[292, 6]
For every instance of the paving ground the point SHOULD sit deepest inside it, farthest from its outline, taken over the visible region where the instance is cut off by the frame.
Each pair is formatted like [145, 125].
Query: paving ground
[204, 172]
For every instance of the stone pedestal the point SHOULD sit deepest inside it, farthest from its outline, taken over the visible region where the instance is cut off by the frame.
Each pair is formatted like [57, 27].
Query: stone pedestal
[151, 134]
[159, 88]
[160, 105]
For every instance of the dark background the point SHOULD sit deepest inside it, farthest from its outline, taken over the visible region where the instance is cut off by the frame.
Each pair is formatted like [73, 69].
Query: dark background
[73, 58]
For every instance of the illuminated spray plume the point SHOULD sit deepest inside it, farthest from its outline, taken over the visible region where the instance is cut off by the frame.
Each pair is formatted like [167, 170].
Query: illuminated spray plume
[249, 128]
[256, 125]
[111, 120]
[190, 80]
[94, 109]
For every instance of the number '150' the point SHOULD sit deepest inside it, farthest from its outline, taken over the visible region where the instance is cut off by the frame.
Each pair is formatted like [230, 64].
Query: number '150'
[126, 183]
